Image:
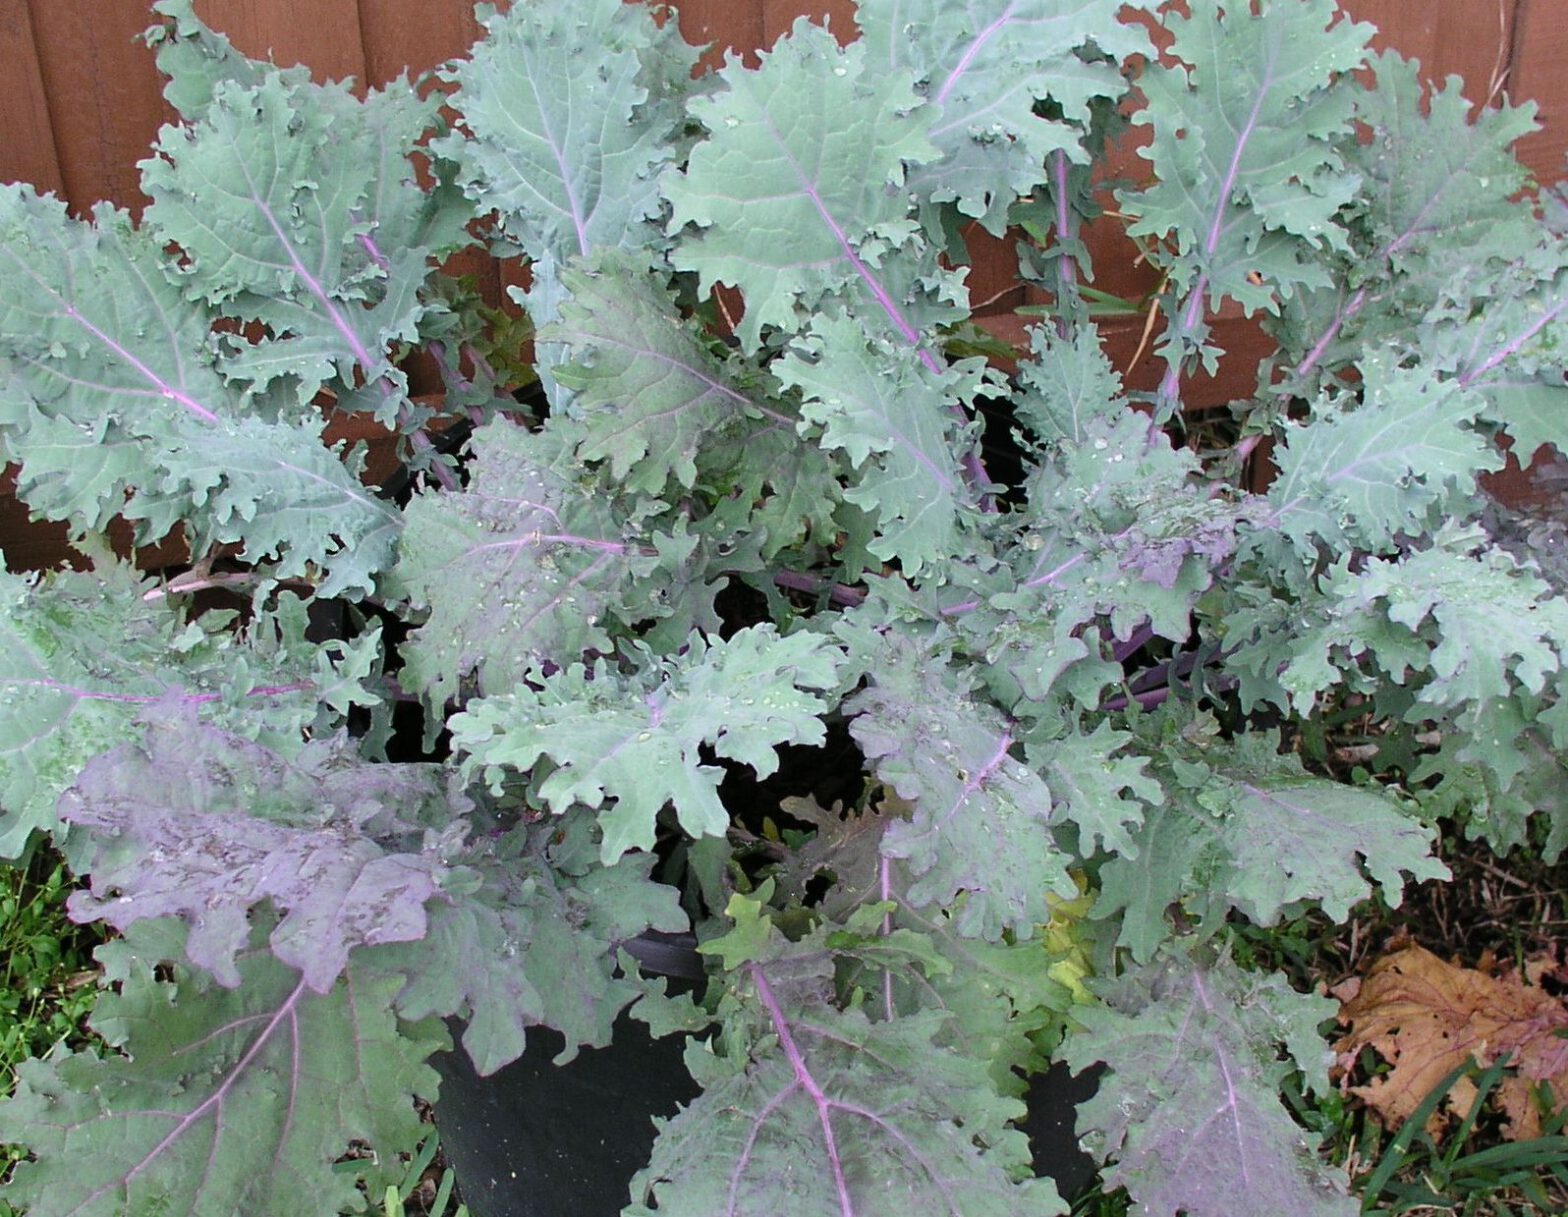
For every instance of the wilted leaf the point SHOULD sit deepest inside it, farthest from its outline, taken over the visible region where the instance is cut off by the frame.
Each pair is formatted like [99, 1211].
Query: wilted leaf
[1426, 1017]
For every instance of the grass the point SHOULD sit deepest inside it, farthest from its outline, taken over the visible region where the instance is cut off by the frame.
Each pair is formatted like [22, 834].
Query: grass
[46, 964]
[46, 971]
[427, 1187]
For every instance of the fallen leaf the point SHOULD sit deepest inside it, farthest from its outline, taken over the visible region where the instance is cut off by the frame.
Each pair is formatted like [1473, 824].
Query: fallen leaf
[1425, 1018]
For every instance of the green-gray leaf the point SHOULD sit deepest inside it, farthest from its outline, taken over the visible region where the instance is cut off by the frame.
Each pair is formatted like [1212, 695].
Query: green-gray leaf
[1190, 1117]
[637, 740]
[224, 1101]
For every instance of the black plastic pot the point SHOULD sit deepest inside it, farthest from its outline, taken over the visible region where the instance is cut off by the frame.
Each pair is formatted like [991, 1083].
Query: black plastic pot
[536, 1139]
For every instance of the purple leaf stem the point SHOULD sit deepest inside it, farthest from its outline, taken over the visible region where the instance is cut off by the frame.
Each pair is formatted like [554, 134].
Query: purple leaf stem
[1170, 383]
[1513, 347]
[1147, 700]
[335, 315]
[482, 366]
[313, 285]
[805, 1080]
[837, 593]
[165, 389]
[973, 49]
[1341, 319]
[885, 879]
[1050, 576]
[284, 1015]
[1170, 670]
[1233, 1107]
[419, 439]
[1066, 268]
[368, 243]
[451, 375]
[900, 322]
[1121, 650]
[147, 699]
[1192, 313]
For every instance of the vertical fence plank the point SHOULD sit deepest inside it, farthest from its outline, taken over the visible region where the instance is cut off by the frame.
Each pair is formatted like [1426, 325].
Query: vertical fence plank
[779, 15]
[105, 98]
[723, 25]
[414, 34]
[1539, 74]
[1469, 38]
[322, 34]
[27, 153]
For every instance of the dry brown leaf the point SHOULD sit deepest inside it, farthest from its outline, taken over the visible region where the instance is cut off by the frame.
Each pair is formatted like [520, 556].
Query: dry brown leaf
[1426, 1017]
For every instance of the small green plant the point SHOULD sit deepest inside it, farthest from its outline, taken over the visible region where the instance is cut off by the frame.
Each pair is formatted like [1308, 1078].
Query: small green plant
[46, 965]
[1416, 1171]
[46, 969]
[411, 1189]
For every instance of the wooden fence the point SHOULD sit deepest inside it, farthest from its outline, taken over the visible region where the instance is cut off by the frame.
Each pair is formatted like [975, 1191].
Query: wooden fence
[83, 103]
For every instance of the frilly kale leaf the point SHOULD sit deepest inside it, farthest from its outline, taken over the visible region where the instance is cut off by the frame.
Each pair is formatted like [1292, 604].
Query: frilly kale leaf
[636, 739]
[990, 65]
[1190, 1114]
[216, 1100]
[820, 163]
[571, 111]
[1248, 127]
[84, 656]
[284, 220]
[534, 944]
[197, 823]
[809, 1108]
[648, 392]
[892, 420]
[115, 402]
[522, 566]
[978, 836]
[1250, 830]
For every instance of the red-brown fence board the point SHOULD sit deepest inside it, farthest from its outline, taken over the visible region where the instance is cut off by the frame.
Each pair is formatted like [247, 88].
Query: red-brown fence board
[416, 35]
[1539, 71]
[27, 151]
[723, 25]
[779, 15]
[324, 34]
[83, 101]
[105, 97]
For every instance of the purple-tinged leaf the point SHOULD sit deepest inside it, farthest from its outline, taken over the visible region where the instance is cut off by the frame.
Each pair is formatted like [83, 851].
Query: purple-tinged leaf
[114, 403]
[989, 64]
[536, 943]
[818, 156]
[220, 1101]
[978, 838]
[520, 568]
[631, 745]
[204, 825]
[894, 422]
[572, 109]
[833, 1114]
[1190, 1117]
[647, 390]
[84, 655]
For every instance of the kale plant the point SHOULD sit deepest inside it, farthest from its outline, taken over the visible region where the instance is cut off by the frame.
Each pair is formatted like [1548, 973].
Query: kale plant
[751, 515]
